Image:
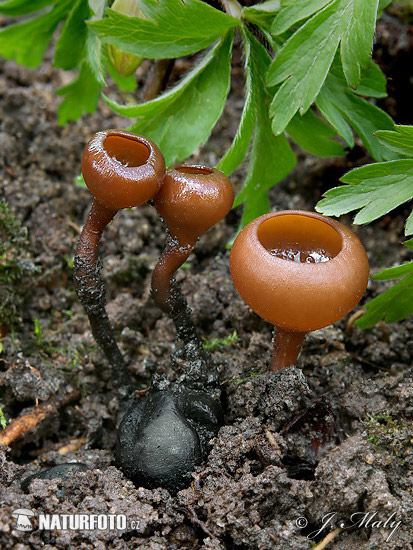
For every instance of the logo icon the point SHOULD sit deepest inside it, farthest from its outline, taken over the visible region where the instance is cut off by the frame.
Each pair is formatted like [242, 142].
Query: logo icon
[22, 517]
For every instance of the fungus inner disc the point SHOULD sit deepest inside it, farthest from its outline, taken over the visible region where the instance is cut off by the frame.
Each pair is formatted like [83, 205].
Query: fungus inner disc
[300, 238]
[126, 150]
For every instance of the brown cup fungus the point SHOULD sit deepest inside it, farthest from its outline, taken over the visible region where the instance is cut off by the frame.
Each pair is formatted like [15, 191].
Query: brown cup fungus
[299, 271]
[192, 199]
[121, 170]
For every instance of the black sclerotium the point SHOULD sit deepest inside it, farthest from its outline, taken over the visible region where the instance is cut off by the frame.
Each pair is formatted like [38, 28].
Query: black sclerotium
[165, 435]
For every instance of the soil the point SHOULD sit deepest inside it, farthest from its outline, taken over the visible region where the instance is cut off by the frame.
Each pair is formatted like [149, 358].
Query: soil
[301, 450]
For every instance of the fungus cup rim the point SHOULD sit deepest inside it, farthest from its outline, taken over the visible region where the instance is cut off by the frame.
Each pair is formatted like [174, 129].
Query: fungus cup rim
[341, 231]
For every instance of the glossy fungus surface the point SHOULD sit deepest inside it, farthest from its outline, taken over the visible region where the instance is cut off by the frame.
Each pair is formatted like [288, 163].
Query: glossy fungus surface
[299, 270]
[192, 199]
[122, 169]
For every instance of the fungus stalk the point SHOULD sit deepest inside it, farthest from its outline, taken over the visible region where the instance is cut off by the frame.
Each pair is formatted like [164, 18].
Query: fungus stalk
[91, 288]
[166, 291]
[121, 170]
[299, 271]
[192, 199]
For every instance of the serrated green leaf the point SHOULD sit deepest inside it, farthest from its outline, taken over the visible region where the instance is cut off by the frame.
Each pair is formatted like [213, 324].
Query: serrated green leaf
[408, 230]
[71, 42]
[395, 304]
[240, 144]
[400, 140]
[357, 40]
[375, 189]
[302, 64]
[14, 8]
[155, 106]
[186, 123]
[341, 106]
[394, 272]
[173, 28]
[312, 134]
[293, 12]
[271, 157]
[80, 96]
[27, 41]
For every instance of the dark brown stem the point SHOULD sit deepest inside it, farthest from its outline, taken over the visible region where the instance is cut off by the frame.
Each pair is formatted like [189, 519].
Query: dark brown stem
[91, 291]
[158, 78]
[166, 292]
[287, 346]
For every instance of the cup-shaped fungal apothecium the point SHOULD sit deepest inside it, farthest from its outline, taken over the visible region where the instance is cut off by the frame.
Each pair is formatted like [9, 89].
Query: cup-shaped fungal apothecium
[192, 199]
[121, 170]
[299, 271]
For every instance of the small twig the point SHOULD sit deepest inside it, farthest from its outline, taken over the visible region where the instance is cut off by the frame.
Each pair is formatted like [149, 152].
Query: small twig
[326, 540]
[28, 422]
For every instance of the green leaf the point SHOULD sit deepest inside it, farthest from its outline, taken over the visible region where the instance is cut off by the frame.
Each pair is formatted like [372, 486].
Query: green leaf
[271, 157]
[261, 14]
[312, 134]
[94, 48]
[341, 107]
[254, 206]
[126, 83]
[184, 124]
[374, 189]
[357, 40]
[394, 272]
[71, 42]
[81, 96]
[155, 106]
[302, 64]
[293, 12]
[395, 304]
[14, 8]
[172, 28]
[240, 144]
[408, 244]
[408, 230]
[400, 140]
[26, 41]
[373, 82]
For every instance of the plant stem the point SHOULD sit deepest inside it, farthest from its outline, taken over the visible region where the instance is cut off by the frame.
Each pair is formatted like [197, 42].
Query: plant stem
[158, 78]
[91, 291]
[286, 348]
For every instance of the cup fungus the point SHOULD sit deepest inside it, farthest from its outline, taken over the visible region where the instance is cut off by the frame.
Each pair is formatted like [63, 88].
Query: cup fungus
[299, 271]
[163, 436]
[121, 170]
[192, 199]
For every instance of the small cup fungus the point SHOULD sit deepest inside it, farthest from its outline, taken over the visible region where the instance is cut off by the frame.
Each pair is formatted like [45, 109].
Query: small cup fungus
[192, 199]
[299, 271]
[121, 170]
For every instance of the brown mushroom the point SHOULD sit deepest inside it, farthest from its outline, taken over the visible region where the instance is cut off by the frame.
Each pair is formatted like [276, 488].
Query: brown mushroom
[299, 271]
[121, 170]
[192, 199]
